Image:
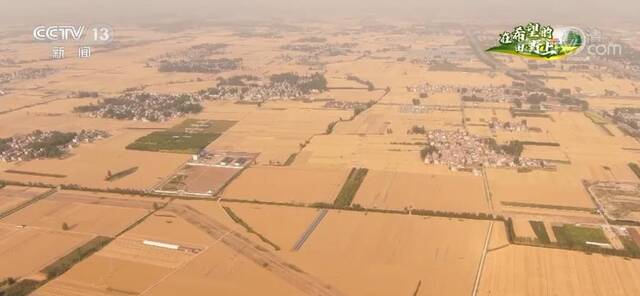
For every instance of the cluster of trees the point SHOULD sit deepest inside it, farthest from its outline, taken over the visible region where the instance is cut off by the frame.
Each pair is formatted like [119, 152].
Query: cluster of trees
[87, 94]
[312, 39]
[4, 143]
[461, 215]
[200, 65]
[536, 98]
[306, 84]
[53, 145]
[248, 228]
[151, 107]
[330, 127]
[359, 108]
[120, 174]
[472, 98]
[584, 105]
[427, 150]
[635, 168]
[518, 103]
[65, 263]
[513, 148]
[420, 130]
[19, 288]
[366, 83]
[237, 80]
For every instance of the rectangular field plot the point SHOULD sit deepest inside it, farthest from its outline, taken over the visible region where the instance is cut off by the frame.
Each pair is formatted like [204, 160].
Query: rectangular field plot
[125, 266]
[96, 214]
[198, 180]
[189, 137]
[104, 276]
[543, 271]
[397, 190]
[25, 251]
[168, 227]
[282, 225]
[96, 219]
[287, 184]
[382, 254]
[136, 250]
[560, 188]
[221, 271]
[551, 153]
[207, 173]
[12, 196]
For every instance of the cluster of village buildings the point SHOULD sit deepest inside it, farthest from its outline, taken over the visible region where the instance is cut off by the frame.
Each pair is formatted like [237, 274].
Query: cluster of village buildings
[289, 86]
[144, 107]
[457, 149]
[196, 59]
[510, 126]
[303, 59]
[39, 144]
[254, 92]
[162, 107]
[213, 66]
[627, 119]
[470, 93]
[25, 74]
[344, 105]
[322, 49]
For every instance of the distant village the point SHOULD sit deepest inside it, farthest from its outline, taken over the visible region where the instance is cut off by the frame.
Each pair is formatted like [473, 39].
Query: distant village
[322, 49]
[627, 119]
[252, 89]
[196, 59]
[460, 150]
[143, 107]
[153, 107]
[45, 144]
[26, 74]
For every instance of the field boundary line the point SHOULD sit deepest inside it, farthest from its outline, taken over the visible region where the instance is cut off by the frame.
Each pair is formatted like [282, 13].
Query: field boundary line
[179, 268]
[487, 191]
[476, 284]
[27, 203]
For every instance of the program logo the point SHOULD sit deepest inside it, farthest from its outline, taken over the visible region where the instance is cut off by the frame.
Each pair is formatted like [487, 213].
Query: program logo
[541, 42]
[96, 34]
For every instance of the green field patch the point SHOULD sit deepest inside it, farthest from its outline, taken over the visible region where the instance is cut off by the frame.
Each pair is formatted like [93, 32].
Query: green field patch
[630, 246]
[596, 118]
[203, 126]
[546, 206]
[635, 168]
[350, 187]
[572, 235]
[188, 137]
[176, 183]
[173, 142]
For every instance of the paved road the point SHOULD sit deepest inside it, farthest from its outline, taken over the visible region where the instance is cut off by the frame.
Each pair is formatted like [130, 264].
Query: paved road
[310, 229]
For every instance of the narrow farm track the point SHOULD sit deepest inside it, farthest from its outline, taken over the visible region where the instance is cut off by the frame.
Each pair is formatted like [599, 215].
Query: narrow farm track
[485, 248]
[287, 272]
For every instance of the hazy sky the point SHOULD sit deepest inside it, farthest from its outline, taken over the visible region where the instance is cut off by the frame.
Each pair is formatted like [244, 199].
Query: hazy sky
[566, 11]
